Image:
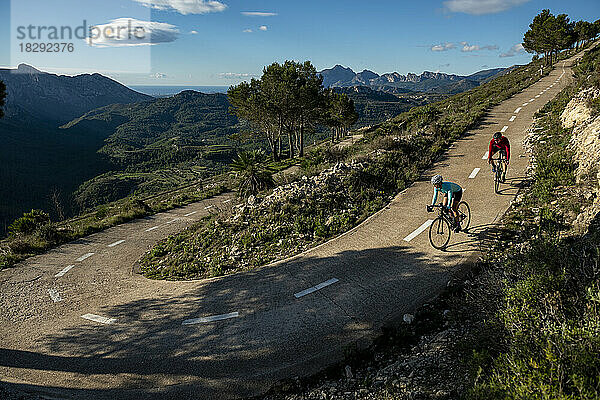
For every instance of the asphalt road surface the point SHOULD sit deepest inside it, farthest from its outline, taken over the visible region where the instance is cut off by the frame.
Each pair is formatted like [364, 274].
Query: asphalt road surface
[77, 322]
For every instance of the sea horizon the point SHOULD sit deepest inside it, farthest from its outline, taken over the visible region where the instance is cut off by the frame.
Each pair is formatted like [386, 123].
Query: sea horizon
[172, 90]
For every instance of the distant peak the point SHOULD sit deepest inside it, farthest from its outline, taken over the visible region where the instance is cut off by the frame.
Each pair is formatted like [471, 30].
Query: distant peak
[27, 69]
[341, 67]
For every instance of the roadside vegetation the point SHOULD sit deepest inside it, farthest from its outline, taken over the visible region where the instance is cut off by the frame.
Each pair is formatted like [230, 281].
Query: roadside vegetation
[537, 301]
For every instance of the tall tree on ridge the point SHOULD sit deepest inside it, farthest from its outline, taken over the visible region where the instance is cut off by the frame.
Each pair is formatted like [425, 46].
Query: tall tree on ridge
[536, 39]
[288, 99]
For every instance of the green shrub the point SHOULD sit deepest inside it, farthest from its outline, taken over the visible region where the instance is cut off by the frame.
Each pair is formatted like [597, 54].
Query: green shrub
[28, 223]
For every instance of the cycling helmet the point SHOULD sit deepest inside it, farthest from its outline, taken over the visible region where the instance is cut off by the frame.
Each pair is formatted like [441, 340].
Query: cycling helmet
[498, 135]
[436, 180]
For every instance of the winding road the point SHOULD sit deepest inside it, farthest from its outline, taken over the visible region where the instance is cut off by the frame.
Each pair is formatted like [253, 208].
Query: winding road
[77, 322]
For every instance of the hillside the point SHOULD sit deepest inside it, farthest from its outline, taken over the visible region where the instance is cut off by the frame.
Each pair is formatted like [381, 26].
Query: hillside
[375, 106]
[38, 159]
[160, 144]
[34, 96]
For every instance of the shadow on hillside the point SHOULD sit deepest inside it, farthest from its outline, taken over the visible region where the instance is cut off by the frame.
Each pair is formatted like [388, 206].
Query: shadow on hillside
[275, 336]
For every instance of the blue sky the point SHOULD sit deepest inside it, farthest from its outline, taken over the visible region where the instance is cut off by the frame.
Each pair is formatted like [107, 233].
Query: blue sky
[209, 42]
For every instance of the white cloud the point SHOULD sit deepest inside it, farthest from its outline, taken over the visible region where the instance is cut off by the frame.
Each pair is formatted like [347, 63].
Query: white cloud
[235, 75]
[516, 49]
[158, 75]
[443, 47]
[480, 7]
[131, 32]
[185, 6]
[467, 48]
[258, 14]
[247, 30]
[263, 28]
[193, 32]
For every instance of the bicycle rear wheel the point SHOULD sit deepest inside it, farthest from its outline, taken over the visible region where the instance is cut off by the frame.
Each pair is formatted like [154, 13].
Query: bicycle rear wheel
[439, 233]
[464, 212]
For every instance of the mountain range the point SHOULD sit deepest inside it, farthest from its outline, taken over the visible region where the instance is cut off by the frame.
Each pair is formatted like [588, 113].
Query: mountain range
[39, 97]
[433, 82]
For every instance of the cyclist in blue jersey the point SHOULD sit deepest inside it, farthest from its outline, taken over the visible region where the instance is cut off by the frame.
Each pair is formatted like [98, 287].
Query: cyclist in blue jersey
[452, 196]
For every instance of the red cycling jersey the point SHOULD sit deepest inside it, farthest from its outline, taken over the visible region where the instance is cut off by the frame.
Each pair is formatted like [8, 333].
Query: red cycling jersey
[503, 144]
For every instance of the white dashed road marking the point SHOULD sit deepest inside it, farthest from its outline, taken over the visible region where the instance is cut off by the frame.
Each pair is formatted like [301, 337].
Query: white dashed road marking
[213, 318]
[115, 244]
[175, 220]
[190, 214]
[153, 228]
[474, 173]
[537, 96]
[227, 201]
[486, 155]
[418, 231]
[85, 256]
[98, 318]
[317, 287]
[64, 271]
[518, 110]
[504, 129]
[530, 100]
[208, 207]
[525, 104]
[512, 118]
[54, 295]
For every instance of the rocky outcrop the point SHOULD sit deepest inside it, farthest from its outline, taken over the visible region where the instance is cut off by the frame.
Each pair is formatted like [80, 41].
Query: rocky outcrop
[303, 190]
[585, 144]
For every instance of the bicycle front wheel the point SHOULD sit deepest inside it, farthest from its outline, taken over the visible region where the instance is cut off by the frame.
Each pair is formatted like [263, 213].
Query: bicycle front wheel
[464, 212]
[497, 178]
[439, 233]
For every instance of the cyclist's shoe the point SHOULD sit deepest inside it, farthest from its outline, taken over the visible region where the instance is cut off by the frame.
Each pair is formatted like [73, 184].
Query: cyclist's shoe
[429, 208]
[457, 228]
[493, 170]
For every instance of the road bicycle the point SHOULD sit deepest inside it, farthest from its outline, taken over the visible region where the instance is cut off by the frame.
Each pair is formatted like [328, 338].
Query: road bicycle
[441, 229]
[500, 171]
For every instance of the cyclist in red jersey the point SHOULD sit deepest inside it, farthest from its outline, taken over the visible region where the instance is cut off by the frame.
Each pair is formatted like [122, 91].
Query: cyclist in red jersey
[499, 143]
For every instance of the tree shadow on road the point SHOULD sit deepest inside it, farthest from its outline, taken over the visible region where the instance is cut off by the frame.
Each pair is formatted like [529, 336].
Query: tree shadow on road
[148, 353]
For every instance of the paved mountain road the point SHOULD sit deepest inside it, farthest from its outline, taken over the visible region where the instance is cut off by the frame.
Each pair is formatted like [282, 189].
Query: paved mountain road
[78, 323]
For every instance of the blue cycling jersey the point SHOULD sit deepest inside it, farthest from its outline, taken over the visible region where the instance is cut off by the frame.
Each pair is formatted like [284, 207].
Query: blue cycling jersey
[447, 188]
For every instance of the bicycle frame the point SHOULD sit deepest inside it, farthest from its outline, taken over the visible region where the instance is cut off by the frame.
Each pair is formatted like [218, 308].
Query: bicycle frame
[444, 212]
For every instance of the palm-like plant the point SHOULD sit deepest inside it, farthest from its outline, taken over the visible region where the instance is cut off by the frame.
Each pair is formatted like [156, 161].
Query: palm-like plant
[253, 174]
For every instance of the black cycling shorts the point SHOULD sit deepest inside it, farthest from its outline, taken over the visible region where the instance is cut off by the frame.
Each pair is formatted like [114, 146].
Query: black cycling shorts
[456, 197]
